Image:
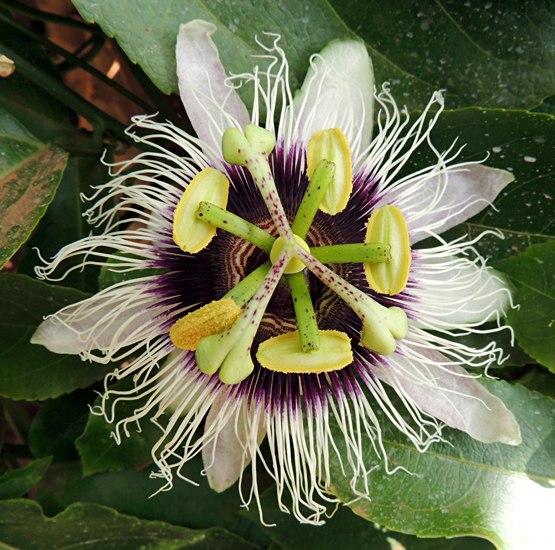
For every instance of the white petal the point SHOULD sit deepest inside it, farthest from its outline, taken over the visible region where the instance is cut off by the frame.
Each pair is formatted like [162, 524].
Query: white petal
[229, 453]
[212, 105]
[453, 291]
[438, 201]
[338, 91]
[448, 392]
[107, 322]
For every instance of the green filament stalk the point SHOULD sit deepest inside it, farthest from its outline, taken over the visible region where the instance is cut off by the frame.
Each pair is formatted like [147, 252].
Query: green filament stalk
[370, 253]
[315, 192]
[245, 290]
[223, 219]
[304, 311]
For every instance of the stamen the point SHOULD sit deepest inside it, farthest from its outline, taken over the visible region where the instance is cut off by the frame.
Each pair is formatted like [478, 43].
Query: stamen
[352, 253]
[314, 194]
[381, 325]
[387, 225]
[252, 150]
[246, 289]
[217, 316]
[332, 145]
[231, 351]
[212, 318]
[189, 233]
[218, 217]
[304, 312]
[284, 354]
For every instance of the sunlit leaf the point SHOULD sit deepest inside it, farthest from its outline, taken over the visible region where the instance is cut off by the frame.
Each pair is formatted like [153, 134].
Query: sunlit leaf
[496, 491]
[344, 530]
[30, 172]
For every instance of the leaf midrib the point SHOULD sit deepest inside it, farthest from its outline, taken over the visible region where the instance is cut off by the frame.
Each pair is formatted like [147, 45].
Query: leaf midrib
[7, 173]
[535, 290]
[488, 54]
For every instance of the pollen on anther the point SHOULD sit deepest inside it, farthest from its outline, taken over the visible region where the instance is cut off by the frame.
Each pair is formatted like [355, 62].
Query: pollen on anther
[213, 318]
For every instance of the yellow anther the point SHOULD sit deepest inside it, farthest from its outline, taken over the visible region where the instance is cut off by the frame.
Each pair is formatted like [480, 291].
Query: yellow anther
[295, 265]
[284, 354]
[387, 225]
[211, 319]
[190, 233]
[332, 145]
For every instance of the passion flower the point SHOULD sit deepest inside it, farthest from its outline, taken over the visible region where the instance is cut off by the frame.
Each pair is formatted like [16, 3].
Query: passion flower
[274, 355]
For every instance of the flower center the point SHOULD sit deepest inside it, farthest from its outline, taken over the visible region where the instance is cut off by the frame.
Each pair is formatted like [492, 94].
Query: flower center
[225, 344]
[295, 265]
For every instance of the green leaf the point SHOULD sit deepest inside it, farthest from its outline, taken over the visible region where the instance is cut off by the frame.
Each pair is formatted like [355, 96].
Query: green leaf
[148, 35]
[29, 371]
[100, 452]
[409, 542]
[30, 172]
[464, 487]
[480, 54]
[63, 223]
[547, 106]
[16, 483]
[88, 526]
[533, 274]
[58, 423]
[249, 530]
[131, 492]
[517, 141]
[524, 212]
[49, 119]
[344, 530]
[540, 380]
